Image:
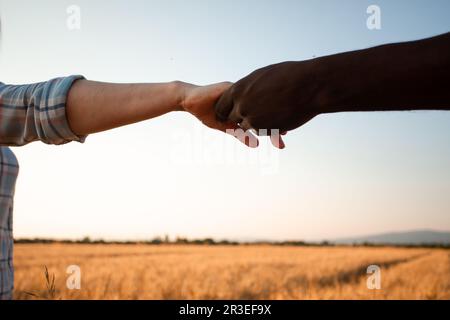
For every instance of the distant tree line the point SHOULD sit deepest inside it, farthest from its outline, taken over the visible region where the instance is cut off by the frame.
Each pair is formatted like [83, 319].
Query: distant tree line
[212, 242]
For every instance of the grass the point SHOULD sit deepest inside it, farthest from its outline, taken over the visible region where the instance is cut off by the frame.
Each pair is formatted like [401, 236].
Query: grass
[229, 272]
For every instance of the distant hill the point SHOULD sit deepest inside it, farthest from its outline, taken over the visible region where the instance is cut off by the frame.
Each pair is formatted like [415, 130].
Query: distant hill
[416, 237]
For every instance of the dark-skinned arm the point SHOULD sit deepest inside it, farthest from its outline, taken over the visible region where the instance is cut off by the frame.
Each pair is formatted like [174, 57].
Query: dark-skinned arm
[403, 76]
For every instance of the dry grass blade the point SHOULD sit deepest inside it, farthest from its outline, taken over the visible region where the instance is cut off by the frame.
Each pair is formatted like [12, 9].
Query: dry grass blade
[50, 283]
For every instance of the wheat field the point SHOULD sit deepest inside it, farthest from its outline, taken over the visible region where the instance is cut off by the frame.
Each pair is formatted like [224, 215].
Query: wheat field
[229, 272]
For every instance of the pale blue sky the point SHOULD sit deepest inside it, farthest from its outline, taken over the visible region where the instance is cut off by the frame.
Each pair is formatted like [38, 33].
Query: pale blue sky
[340, 175]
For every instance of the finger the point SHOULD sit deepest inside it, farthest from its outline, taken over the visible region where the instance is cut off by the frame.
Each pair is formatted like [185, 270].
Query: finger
[245, 125]
[224, 106]
[268, 132]
[246, 137]
[277, 141]
[249, 134]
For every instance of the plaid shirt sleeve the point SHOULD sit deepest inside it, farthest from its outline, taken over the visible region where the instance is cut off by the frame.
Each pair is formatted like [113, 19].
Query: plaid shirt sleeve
[27, 113]
[36, 112]
[9, 169]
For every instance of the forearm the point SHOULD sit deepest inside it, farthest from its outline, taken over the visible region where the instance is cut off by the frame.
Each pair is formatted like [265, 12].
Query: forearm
[404, 76]
[97, 106]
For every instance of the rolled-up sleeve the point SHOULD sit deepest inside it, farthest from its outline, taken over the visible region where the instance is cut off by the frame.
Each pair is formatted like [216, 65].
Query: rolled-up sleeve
[36, 112]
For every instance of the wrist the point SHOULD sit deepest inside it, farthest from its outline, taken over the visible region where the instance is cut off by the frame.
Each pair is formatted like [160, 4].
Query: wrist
[338, 82]
[181, 93]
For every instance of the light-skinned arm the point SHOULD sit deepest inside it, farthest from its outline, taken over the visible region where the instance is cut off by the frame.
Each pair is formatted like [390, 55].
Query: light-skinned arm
[98, 106]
